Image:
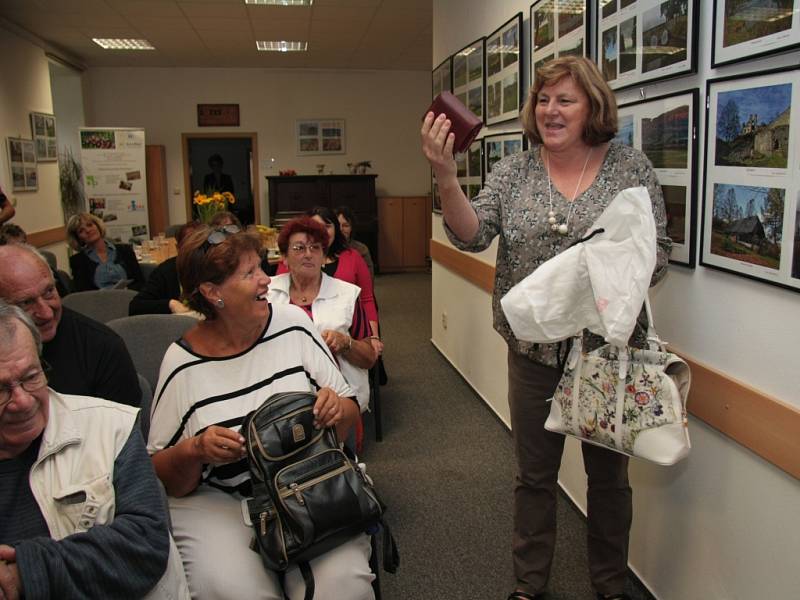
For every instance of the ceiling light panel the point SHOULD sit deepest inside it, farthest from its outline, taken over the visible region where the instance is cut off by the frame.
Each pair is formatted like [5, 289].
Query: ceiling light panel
[282, 46]
[123, 44]
[281, 2]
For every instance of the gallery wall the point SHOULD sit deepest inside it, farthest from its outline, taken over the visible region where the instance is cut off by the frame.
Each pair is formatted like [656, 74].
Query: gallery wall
[724, 523]
[381, 109]
[25, 87]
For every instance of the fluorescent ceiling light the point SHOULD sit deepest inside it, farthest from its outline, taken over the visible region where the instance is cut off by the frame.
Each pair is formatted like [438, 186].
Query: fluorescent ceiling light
[282, 46]
[281, 2]
[123, 44]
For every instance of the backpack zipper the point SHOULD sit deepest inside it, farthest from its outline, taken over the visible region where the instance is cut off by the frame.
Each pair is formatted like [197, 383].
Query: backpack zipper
[296, 490]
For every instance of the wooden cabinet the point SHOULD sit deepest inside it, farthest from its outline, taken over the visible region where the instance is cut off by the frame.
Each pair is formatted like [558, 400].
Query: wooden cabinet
[291, 196]
[404, 233]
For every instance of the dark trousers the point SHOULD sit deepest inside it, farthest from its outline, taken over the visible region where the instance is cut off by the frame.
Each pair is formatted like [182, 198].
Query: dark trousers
[538, 453]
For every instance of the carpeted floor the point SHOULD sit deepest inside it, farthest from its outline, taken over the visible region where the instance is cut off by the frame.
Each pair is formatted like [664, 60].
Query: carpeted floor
[445, 470]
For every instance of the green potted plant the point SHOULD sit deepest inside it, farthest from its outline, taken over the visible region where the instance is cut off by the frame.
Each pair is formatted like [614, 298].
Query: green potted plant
[70, 176]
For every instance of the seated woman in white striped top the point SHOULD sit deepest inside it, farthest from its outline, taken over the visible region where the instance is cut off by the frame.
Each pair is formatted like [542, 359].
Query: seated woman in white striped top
[227, 365]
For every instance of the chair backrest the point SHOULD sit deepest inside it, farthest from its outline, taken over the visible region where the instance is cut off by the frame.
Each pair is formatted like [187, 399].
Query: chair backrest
[100, 305]
[147, 338]
[50, 258]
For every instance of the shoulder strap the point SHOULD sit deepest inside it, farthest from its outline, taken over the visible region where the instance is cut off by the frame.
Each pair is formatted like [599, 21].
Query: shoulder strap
[655, 342]
[308, 579]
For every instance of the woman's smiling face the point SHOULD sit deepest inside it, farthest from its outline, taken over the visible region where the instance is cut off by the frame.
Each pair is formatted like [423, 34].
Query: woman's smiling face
[562, 111]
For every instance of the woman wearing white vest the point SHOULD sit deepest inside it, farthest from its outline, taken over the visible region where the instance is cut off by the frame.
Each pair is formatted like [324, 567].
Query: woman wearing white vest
[331, 303]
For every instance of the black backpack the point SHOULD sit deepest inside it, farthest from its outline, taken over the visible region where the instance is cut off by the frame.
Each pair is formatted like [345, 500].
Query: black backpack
[308, 495]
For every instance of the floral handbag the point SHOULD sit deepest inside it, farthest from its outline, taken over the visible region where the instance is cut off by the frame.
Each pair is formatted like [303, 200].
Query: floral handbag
[629, 400]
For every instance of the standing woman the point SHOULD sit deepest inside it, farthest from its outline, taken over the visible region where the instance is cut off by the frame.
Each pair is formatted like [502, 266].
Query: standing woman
[99, 263]
[539, 202]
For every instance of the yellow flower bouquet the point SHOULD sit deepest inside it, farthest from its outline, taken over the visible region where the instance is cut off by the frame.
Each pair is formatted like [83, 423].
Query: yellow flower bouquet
[211, 204]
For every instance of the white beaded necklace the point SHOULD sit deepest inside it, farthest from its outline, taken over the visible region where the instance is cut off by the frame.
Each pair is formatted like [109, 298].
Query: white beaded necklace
[563, 228]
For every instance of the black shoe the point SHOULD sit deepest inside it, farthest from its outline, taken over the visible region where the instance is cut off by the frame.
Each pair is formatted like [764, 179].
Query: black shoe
[619, 596]
[525, 596]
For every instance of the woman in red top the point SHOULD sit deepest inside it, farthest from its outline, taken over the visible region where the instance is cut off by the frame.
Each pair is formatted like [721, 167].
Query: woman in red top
[345, 263]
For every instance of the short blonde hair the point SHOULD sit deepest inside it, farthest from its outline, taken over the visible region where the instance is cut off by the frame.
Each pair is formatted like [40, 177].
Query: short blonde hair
[601, 125]
[75, 222]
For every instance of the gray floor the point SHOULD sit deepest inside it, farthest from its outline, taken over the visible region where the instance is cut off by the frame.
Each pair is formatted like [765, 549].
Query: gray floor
[445, 470]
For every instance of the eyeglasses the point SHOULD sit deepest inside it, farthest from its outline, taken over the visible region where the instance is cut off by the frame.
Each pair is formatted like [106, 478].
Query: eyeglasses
[30, 383]
[301, 249]
[219, 235]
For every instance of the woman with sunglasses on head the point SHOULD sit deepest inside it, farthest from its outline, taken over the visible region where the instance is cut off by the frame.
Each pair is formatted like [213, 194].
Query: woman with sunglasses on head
[345, 263]
[227, 365]
[331, 303]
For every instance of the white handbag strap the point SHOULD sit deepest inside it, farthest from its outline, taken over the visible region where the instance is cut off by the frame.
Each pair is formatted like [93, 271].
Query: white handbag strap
[655, 342]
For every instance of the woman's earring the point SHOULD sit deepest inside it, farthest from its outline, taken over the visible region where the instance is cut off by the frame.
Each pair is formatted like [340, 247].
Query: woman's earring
[220, 303]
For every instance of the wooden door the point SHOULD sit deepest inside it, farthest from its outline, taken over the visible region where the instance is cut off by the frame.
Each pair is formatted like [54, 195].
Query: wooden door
[415, 232]
[155, 158]
[390, 234]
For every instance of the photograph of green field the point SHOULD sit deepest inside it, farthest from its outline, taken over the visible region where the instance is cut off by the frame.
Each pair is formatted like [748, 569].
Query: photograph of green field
[665, 138]
[748, 20]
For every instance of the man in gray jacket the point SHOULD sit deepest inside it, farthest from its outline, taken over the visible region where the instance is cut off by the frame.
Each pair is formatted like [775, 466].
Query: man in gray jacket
[81, 511]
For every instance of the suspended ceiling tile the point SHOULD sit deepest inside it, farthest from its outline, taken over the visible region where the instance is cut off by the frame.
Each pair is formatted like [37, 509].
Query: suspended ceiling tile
[213, 8]
[153, 8]
[220, 25]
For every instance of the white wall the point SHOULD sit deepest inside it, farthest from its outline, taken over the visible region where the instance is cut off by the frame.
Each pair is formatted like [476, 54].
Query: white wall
[382, 110]
[25, 88]
[724, 523]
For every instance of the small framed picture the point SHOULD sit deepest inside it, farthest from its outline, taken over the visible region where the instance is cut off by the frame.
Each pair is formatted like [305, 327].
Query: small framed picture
[22, 162]
[751, 187]
[469, 169]
[645, 41]
[468, 77]
[320, 136]
[558, 28]
[442, 78]
[665, 129]
[743, 30]
[496, 147]
[43, 132]
[503, 69]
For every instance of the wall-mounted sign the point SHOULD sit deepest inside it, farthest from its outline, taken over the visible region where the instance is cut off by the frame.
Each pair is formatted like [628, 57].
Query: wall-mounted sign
[217, 115]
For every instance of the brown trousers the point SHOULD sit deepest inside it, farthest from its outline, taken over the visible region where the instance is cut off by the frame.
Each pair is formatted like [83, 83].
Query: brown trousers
[538, 453]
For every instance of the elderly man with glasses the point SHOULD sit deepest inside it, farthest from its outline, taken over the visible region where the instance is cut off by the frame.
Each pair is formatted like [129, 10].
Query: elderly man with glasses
[87, 358]
[81, 511]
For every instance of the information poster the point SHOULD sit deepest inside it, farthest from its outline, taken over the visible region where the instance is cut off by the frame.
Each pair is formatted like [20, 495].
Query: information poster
[114, 178]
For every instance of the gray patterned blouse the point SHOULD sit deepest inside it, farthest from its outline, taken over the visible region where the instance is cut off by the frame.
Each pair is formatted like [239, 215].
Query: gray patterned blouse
[514, 203]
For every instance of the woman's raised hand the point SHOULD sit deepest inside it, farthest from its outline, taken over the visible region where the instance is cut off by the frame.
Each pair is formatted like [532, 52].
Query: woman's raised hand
[219, 445]
[437, 145]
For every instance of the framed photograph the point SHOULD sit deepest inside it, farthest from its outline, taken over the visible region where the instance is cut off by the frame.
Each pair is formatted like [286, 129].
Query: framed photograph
[218, 115]
[503, 68]
[442, 78]
[43, 132]
[437, 200]
[558, 28]
[468, 79]
[22, 162]
[499, 146]
[743, 29]
[752, 176]
[320, 136]
[470, 169]
[665, 129]
[642, 41]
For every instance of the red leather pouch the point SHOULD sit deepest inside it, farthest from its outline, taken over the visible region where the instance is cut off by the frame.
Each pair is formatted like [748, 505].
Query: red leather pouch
[465, 125]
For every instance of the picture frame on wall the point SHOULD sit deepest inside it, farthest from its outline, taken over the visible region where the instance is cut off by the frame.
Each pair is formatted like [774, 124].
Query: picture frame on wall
[741, 31]
[43, 132]
[469, 169]
[503, 68]
[665, 129]
[468, 77]
[436, 199]
[752, 177]
[320, 136]
[23, 165]
[643, 41]
[558, 28]
[500, 145]
[442, 77]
